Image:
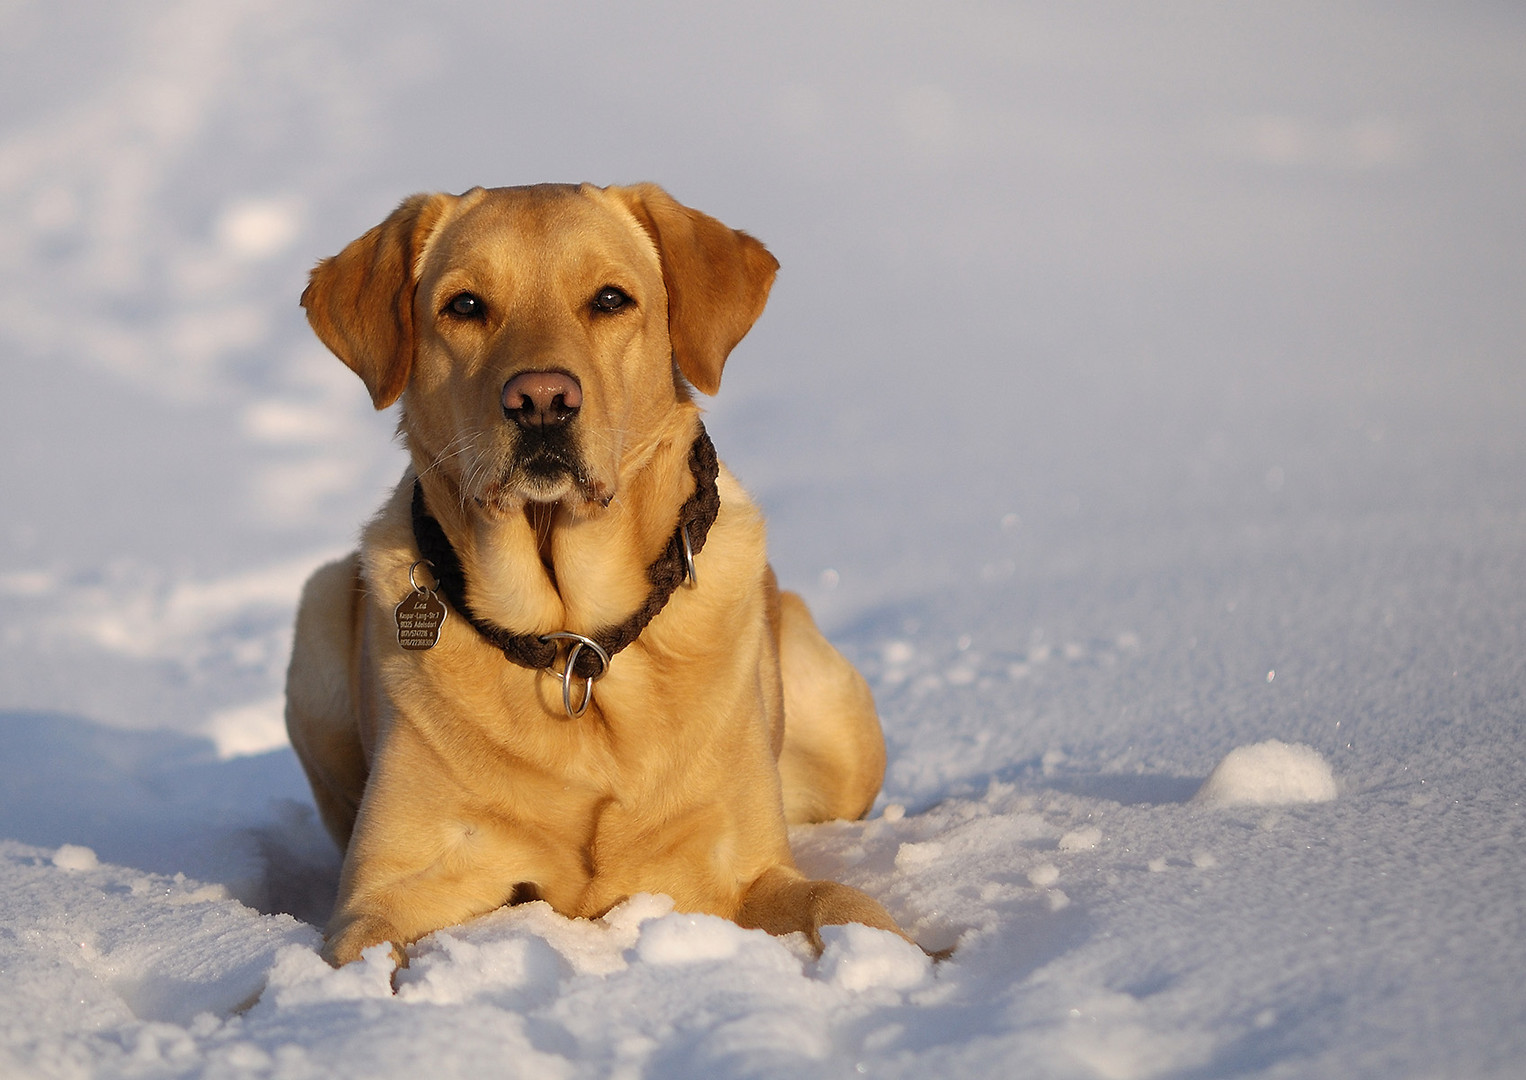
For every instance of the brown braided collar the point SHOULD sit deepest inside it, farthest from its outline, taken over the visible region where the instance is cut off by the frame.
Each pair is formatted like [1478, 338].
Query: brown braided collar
[666, 573]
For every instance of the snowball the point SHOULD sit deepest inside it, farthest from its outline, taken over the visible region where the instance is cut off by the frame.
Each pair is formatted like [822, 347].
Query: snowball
[858, 957]
[74, 857]
[1271, 773]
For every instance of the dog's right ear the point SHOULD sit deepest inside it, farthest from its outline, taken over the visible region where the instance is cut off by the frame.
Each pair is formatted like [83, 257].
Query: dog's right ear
[360, 302]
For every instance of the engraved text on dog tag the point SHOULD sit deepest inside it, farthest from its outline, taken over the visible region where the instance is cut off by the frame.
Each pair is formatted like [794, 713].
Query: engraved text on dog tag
[419, 618]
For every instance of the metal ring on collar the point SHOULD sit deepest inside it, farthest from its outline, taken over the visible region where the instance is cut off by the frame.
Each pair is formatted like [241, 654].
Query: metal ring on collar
[414, 581]
[579, 643]
[693, 578]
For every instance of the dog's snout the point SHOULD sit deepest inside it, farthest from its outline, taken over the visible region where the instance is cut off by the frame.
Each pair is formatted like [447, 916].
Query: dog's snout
[542, 398]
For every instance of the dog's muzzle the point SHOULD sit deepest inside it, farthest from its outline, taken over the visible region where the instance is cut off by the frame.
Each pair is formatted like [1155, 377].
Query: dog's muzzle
[542, 406]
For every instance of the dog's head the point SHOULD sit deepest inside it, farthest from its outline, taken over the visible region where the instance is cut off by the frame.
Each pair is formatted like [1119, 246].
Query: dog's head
[539, 337]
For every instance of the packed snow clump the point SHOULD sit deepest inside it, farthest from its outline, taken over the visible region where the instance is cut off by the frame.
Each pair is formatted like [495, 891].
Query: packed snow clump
[75, 857]
[1270, 773]
[861, 958]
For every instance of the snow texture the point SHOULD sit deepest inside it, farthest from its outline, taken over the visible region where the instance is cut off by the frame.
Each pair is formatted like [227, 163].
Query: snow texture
[1141, 406]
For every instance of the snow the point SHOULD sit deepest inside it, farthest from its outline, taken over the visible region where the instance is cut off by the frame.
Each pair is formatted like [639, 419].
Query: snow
[74, 857]
[1270, 773]
[1141, 406]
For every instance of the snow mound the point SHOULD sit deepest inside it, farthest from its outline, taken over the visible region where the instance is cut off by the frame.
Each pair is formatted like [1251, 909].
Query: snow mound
[678, 939]
[75, 857]
[1270, 773]
[301, 978]
[859, 957]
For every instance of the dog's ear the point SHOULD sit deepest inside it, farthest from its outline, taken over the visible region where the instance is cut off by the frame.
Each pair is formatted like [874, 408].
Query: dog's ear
[360, 302]
[717, 280]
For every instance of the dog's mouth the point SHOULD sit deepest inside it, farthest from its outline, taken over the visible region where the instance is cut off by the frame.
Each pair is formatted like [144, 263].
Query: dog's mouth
[547, 474]
[544, 468]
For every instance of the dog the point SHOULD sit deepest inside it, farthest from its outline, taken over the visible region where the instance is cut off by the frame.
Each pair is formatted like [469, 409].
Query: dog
[559, 667]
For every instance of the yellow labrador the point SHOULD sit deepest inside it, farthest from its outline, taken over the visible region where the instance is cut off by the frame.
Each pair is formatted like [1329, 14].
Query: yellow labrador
[558, 667]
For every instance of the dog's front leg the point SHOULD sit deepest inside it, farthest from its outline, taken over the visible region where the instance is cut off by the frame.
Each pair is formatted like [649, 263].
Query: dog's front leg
[422, 856]
[782, 900]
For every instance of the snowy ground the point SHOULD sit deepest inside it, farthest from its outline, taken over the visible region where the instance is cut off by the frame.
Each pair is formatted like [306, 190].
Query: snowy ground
[1144, 382]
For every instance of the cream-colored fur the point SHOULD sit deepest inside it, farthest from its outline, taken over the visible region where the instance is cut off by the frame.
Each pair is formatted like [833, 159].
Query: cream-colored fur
[453, 778]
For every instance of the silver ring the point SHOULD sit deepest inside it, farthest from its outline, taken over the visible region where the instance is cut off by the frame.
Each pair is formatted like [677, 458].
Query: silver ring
[412, 581]
[579, 643]
[693, 578]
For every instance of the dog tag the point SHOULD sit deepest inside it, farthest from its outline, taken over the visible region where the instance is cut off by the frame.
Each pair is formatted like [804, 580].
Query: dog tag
[419, 618]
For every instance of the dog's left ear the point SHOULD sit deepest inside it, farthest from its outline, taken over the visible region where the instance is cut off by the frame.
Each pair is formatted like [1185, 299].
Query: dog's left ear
[717, 280]
[360, 302]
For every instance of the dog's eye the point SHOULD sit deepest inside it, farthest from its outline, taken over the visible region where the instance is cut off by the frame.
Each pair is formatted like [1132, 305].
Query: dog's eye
[466, 306]
[610, 298]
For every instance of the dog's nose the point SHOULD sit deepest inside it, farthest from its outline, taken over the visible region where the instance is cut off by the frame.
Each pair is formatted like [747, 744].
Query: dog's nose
[541, 398]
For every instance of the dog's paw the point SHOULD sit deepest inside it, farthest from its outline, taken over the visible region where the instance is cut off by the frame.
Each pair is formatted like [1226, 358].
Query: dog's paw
[834, 904]
[346, 943]
[782, 901]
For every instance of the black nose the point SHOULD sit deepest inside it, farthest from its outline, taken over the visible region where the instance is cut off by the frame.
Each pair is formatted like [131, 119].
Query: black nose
[541, 398]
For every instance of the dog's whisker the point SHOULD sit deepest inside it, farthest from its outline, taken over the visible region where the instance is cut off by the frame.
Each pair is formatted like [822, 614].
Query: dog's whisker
[469, 484]
[468, 442]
